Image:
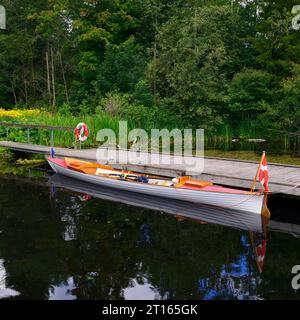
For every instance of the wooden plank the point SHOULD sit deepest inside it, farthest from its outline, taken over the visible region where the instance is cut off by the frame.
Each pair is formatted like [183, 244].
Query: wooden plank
[226, 172]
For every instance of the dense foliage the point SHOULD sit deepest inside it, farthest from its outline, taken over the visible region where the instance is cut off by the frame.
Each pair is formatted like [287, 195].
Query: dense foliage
[170, 63]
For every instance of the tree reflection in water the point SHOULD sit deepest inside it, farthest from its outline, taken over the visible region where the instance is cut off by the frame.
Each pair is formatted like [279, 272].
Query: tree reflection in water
[4, 291]
[236, 280]
[60, 247]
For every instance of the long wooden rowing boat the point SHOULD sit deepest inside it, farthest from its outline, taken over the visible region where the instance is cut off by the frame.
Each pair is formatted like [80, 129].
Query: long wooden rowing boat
[181, 188]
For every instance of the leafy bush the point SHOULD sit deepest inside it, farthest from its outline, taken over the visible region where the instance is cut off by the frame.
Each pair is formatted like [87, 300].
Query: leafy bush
[249, 92]
[65, 109]
[113, 103]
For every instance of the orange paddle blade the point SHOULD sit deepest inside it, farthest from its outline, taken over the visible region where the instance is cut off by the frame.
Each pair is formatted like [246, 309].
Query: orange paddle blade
[84, 166]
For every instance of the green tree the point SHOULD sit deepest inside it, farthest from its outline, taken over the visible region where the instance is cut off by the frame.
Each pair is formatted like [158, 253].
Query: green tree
[123, 66]
[249, 92]
[194, 63]
[287, 118]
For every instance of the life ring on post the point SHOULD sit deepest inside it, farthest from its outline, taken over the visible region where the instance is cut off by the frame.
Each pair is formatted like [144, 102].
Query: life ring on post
[82, 132]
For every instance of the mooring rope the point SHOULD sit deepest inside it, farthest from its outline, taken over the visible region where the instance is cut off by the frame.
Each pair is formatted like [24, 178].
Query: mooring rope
[282, 191]
[269, 193]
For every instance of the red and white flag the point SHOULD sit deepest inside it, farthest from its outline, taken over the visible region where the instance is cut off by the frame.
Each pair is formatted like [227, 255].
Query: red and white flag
[263, 173]
[260, 252]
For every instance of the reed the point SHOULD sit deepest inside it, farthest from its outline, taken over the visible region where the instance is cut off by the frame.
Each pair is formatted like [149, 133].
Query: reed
[61, 138]
[222, 137]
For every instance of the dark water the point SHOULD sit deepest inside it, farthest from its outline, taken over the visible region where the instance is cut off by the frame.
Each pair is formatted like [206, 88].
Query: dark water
[271, 146]
[60, 244]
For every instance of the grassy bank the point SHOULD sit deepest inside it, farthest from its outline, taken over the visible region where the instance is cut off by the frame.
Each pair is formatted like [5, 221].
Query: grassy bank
[63, 139]
[215, 145]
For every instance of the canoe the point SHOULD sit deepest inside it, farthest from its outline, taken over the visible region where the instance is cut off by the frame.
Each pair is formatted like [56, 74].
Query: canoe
[181, 188]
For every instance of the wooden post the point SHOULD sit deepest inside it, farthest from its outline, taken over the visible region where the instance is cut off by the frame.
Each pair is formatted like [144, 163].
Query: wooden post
[255, 178]
[28, 135]
[52, 138]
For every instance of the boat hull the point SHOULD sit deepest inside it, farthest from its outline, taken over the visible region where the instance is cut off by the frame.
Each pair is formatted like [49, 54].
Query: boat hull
[243, 202]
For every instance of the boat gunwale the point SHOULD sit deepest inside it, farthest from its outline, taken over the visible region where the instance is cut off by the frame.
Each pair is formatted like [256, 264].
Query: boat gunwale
[250, 194]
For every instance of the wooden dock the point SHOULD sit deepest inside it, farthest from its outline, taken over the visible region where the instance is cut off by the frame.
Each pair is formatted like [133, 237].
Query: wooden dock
[237, 173]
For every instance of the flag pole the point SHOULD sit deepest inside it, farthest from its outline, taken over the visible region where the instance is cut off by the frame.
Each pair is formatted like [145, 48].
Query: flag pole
[251, 234]
[255, 178]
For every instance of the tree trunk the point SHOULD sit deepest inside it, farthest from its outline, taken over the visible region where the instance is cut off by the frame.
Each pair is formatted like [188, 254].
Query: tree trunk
[14, 92]
[155, 56]
[64, 78]
[26, 92]
[48, 78]
[25, 86]
[53, 82]
[155, 59]
[33, 80]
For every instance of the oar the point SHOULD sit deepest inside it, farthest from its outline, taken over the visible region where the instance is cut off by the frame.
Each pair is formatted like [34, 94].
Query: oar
[120, 175]
[123, 175]
[132, 176]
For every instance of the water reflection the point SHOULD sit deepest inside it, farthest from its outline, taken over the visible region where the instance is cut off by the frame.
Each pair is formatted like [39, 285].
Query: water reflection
[236, 280]
[222, 216]
[4, 291]
[58, 244]
[140, 289]
[254, 223]
[63, 291]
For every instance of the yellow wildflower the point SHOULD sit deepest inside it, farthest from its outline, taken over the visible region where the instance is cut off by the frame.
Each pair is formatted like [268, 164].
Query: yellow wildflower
[19, 113]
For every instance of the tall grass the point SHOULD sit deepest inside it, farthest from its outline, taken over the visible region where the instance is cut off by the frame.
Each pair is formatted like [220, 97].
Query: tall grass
[219, 138]
[94, 122]
[227, 131]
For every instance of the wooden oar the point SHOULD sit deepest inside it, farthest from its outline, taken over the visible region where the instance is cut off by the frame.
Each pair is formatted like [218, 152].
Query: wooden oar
[136, 177]
[121, 175]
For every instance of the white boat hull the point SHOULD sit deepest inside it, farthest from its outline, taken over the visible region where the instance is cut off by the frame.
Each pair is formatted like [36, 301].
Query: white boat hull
[243, 202]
